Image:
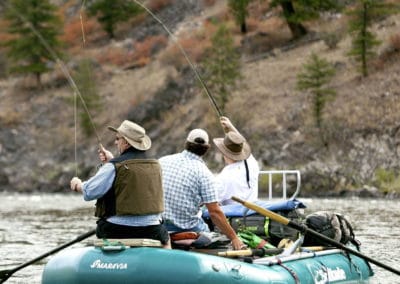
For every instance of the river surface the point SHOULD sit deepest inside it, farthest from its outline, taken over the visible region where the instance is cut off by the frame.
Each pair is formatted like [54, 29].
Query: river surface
[33, 224]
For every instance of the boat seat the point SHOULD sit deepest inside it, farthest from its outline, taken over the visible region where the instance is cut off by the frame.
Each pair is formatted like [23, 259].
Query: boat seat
[127, 243]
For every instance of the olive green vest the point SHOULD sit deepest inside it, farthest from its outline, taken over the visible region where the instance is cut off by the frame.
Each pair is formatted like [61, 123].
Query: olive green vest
[137, 189]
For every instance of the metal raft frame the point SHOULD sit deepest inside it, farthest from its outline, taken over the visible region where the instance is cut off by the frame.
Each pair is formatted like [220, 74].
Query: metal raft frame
[284, 173]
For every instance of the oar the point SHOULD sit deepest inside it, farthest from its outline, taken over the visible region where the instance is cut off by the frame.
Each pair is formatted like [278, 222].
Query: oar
[5, 274]
[305, 230]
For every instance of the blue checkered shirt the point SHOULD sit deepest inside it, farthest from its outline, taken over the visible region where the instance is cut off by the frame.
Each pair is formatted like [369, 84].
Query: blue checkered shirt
[188, 184]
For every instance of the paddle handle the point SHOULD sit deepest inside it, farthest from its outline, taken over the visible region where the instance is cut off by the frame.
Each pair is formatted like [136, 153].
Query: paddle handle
[278, 218]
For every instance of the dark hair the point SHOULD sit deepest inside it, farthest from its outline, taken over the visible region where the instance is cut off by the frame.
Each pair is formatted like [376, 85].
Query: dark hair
[197, 148]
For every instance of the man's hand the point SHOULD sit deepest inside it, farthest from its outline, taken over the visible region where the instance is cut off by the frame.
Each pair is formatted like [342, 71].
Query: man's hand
[104, 154]
[227, 125]
[76, 184]
[237, 244]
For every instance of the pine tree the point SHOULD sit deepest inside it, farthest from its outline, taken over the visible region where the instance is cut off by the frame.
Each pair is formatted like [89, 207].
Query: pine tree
[222, 66]
[296, 12]
[364, 40]
[239, 11]
[86, 85]
[32, 22]
[315, 76]
[110, 13]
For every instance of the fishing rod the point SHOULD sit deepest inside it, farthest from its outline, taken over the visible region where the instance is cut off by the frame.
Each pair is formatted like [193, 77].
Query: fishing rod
[203, 84]
[56, 58]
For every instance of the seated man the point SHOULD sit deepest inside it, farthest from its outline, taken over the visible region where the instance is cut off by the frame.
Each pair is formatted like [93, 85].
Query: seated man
[239, 177]
[188, 185]
[128, 189]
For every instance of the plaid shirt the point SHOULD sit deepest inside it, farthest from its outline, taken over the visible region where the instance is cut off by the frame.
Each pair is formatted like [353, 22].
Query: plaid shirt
[188, 184]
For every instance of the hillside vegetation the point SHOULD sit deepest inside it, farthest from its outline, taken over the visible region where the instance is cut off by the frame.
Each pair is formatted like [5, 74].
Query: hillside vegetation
[142, 75]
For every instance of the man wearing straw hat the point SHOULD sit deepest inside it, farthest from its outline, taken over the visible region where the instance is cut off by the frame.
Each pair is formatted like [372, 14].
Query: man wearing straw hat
[239, 177]
[128, 189]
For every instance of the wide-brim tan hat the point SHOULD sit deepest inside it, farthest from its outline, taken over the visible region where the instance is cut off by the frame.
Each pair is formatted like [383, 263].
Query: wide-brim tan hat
[134, 134]
[234, 146]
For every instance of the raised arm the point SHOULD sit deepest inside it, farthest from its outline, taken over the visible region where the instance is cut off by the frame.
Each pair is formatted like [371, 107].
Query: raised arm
[227, 125]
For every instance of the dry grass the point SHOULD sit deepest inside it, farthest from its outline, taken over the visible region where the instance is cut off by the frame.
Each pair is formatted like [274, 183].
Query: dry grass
[395, 41]
[157, 5]
[144, 50]
[194, 46]
[83, 33]
[10, 118]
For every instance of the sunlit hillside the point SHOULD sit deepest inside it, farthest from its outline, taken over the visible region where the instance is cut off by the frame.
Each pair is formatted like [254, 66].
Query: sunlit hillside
[142, 75]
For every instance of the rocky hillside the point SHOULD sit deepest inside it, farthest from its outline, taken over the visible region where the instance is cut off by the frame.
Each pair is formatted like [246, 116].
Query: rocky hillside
[42, 146]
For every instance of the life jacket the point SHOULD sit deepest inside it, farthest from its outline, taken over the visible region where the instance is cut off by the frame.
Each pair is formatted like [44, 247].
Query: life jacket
[137, 187]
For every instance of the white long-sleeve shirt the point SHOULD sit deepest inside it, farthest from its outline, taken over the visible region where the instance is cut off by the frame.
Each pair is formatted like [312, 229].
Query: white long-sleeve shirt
[231, 181]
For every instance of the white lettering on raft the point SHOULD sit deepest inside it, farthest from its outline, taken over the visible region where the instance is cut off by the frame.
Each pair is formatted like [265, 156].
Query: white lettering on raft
[108, 265]
[325, 276]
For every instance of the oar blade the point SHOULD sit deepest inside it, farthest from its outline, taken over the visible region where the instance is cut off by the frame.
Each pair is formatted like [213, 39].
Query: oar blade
[5, 274]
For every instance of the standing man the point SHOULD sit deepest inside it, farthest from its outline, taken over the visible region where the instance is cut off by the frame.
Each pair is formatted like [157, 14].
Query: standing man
[239, 177]
[128, 189]
[188, 185]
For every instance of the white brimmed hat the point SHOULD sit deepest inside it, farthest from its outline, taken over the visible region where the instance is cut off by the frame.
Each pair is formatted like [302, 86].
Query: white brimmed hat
[134, 134]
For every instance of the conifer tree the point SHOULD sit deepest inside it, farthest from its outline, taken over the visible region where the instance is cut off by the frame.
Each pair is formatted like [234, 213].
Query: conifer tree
[239, 11]
[364, 40]
[222, 66]
[296, 12]
[314, 78]
[86, 85]
[110, 13]
[32, 22]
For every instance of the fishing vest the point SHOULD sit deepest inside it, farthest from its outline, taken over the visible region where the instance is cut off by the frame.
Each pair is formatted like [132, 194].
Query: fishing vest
[137, 188]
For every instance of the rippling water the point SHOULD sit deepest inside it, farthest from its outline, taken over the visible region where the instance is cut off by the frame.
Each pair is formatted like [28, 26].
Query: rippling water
[33, 224]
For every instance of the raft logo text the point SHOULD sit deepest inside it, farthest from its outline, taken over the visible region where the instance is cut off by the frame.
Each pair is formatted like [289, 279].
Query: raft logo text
[108, 265]
[327, 274]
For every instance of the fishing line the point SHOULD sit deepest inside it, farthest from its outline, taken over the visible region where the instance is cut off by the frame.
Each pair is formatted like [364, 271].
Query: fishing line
[75, 134]
[63, 68]
[81, 19]
[213, 102]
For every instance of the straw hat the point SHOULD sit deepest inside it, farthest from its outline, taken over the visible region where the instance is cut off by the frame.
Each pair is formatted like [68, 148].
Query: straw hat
[234, 146]
[134, 134]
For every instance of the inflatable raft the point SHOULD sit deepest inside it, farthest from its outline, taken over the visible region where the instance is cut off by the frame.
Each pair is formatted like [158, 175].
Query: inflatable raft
[157, 265]
[145, 263]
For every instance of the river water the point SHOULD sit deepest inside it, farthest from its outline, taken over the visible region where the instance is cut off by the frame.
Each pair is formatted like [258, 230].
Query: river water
[33, 224]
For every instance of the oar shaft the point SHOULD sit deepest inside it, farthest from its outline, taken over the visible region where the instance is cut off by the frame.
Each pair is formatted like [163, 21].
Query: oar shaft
[251, 252]
[305, 230]
[57, 249]
[4, 275]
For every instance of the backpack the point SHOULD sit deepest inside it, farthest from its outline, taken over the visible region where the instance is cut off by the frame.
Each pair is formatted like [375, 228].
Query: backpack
[333, 225]
[277, 231]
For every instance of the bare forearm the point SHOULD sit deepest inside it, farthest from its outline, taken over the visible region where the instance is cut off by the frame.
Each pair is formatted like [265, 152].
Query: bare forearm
[220, 221]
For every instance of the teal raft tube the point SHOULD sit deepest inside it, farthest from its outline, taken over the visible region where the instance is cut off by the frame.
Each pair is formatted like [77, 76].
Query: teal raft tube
[157, 265]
